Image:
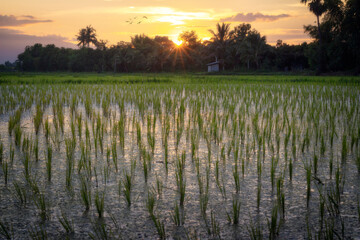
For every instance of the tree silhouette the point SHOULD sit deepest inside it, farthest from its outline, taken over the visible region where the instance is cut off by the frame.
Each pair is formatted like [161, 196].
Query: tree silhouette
[86, 36]
[220, 39]
[318, 7]
[189, 39]
[252, 47]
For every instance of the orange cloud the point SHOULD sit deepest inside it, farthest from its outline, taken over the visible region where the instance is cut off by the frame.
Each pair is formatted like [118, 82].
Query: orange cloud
[252, 17]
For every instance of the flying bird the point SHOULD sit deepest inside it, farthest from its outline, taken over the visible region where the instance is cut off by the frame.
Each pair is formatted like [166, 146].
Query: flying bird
[132, 20]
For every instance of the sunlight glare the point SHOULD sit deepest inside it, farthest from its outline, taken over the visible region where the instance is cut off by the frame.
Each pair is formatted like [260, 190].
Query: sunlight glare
[177, 42]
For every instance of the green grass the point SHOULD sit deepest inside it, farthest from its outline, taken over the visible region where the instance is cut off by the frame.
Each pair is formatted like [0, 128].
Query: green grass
[153, 78]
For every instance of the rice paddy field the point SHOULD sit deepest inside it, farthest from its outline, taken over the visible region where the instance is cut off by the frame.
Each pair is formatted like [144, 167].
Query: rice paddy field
[179, 157]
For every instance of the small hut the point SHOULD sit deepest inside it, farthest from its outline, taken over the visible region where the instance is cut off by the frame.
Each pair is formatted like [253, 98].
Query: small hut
[214, 66]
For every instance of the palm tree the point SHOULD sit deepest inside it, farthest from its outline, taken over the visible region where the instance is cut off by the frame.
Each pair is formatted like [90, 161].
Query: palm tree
[86, 36]
[220, 39]
[81, 37]
[318, 7]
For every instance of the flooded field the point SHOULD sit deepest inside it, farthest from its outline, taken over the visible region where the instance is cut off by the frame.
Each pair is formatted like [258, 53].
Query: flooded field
[225, 160]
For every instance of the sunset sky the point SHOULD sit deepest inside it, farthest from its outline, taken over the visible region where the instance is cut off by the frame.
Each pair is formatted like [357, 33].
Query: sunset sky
[24, 22]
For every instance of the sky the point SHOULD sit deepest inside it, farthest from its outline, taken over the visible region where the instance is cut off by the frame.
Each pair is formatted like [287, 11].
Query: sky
[25, 22]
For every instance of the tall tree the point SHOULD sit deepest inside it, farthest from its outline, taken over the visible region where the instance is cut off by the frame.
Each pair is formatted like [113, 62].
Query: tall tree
[252, 48]
[318, 7]
[101, 46]
[351, 29]
[220, 39]
[236, 38]
[86, 36]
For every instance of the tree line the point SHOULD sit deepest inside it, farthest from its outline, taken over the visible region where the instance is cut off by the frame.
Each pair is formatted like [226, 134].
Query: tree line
[335, 48]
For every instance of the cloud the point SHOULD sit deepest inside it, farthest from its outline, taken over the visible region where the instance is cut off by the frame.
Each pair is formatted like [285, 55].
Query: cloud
[11, 20]
[290, 36]
[252, 17]
[13, 42]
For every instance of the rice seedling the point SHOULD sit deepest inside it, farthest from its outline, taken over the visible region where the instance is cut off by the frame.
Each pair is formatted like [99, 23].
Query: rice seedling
[280, 196]
[338, 182]
[214, 231]
[273, 224]
[5, 168]
[308, 183]
[290, 169]
[85, 193]
[151, 133]
[160, 226]
[180, 178]
[6, 230]
[138, 134]
[37, 233]
[182, 189]
[145, 165]
[315, 164]
[329, 229]
[166, 155]
[79, 124]
[18, 134]
[20, 193]
[101, 231]
[47, 129]
[99, 204]
[70, 163]
[49, 162]
[12, 154]
[106, 174]
[1, 152]
[236, 178]
[159, 186]
[258, 196]
[114, 155]
[27, 166]
[323, 146]
[150, 202]
[331, 166]
[14, 120]
[344, 149]
[42, 205]
[128, 184]
[66, 223]
[255, 231]
[308, 227]
[235, 211]
[72, 128]
[357, 161]
[272, 171]
[38, 118]
[36, 149]
[178, 215]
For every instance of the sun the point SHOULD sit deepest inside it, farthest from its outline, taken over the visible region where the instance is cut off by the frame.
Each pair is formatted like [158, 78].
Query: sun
[178, 42]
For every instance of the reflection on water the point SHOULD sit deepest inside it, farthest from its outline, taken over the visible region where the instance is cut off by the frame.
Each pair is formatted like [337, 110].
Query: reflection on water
[240, 143]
